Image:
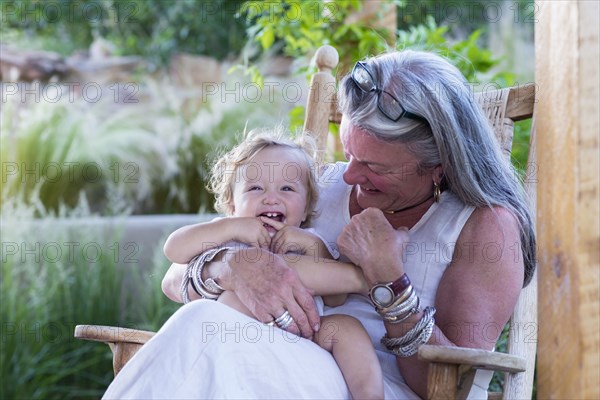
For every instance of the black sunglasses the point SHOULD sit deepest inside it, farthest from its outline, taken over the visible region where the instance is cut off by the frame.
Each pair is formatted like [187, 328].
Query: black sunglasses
[386, 102]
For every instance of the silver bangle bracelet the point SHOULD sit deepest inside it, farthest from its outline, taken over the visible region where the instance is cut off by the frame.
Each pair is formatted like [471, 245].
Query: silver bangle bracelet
[402, 308]
[208, 289]
[397, 319]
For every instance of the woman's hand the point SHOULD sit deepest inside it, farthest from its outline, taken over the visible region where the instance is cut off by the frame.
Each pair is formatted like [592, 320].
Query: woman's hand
[268, 287]
[370, 242]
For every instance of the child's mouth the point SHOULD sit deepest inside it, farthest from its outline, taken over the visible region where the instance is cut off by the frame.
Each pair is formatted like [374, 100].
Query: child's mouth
[273, 215]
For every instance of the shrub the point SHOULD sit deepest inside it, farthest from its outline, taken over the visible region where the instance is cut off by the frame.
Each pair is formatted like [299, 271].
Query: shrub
[50, 284]
[145, 157]
[154, 29]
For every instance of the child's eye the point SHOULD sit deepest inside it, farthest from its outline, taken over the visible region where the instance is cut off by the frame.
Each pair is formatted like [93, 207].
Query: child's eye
[287, 189]
[254, 188]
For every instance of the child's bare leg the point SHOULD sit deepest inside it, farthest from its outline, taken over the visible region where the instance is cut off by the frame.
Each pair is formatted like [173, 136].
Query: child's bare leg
[346, 338]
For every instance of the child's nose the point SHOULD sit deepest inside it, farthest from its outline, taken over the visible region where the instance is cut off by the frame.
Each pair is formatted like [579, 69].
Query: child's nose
[271, 198]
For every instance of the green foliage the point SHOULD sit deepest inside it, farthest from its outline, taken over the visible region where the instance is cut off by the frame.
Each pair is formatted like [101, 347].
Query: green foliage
[466, 55]
[154, 29]
[49, 285]
[463, 16]
[299, 27]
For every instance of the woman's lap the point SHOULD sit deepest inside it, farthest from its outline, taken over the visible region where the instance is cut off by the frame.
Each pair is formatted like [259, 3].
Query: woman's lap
[208, 350]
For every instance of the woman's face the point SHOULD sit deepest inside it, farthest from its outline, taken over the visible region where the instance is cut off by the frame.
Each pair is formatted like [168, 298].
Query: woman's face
[386, 174]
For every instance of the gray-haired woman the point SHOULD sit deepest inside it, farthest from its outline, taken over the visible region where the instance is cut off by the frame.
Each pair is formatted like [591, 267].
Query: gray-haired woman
[428, 208]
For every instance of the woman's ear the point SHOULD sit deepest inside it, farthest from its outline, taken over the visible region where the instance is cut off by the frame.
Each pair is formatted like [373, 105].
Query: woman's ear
[438, 174]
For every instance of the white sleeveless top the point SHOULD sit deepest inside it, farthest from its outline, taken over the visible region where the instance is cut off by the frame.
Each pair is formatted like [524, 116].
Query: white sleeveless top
[432, 239]
[208, 350]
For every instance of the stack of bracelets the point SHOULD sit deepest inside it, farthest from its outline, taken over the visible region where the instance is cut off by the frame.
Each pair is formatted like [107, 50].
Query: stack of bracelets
[207, 289]
[396, 302]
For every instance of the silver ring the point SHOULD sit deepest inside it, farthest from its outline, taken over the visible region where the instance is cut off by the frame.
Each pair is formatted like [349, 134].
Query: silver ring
[282, 317]
[285, 320]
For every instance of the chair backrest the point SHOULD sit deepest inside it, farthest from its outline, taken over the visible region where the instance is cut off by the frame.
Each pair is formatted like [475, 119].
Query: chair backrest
[502, 107]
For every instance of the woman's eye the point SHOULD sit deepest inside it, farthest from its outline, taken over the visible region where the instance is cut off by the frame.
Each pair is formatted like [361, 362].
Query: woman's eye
[378, 170]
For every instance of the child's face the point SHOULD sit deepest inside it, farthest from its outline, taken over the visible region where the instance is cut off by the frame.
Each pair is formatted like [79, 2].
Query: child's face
[274, 184]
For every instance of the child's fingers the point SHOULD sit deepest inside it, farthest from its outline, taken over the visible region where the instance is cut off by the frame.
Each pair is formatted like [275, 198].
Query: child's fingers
[275, 224]
[264, 238]
[277, 243]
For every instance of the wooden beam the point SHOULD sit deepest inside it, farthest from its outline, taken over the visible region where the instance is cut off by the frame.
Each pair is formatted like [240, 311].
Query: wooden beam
[567, 118]
[481, 359]
[112, 334]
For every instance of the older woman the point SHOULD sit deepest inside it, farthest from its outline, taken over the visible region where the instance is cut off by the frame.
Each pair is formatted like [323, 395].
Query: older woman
[426, 206]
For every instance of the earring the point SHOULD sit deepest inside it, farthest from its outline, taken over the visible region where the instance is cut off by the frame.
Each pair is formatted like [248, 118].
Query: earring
[437, 193]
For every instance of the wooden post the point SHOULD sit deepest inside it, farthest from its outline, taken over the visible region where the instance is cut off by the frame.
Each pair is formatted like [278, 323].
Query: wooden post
[567, 74]
[445, 377]
[320, 97]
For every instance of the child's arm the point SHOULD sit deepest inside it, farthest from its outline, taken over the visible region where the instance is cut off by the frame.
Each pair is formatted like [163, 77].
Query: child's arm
[328, 277]
[188, 241]
[298, 240]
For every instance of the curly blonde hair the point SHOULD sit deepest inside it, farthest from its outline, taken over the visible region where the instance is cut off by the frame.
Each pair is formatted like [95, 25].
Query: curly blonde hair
[224, 171]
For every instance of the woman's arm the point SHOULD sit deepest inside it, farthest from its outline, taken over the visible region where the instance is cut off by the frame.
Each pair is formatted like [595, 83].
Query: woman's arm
[189, 241]
[476, 294]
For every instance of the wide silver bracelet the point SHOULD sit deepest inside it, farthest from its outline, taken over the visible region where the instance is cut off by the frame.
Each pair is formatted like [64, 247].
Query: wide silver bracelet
[407, 345]
[207, 289]
[411, 348]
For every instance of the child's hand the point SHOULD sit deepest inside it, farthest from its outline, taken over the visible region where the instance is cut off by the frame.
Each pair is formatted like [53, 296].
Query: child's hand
[294, 239]
[250, 231]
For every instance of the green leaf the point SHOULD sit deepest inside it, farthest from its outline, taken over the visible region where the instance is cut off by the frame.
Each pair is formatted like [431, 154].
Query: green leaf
[267, 38]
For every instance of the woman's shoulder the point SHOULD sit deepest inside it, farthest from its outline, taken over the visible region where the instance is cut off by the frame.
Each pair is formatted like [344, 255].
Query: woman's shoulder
[491, 229]
[491, 218]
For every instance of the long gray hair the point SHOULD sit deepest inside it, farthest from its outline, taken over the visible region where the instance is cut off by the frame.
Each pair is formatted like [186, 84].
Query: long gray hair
[457, 136]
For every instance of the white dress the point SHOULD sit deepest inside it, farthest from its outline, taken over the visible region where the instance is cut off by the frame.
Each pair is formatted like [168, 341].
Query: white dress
[207, 350]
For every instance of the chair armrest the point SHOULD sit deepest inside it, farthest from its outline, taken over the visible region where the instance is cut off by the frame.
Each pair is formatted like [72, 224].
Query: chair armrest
[112, 334]
[476, 358]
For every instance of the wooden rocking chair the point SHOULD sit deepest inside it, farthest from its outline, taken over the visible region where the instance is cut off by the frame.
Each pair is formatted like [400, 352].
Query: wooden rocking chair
[452, 369]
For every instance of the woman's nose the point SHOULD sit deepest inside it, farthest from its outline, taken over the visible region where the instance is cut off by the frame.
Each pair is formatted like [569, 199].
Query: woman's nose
[353, 174]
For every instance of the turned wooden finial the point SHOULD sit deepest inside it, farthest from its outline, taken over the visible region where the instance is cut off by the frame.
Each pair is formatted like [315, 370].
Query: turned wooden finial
[327, 58]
